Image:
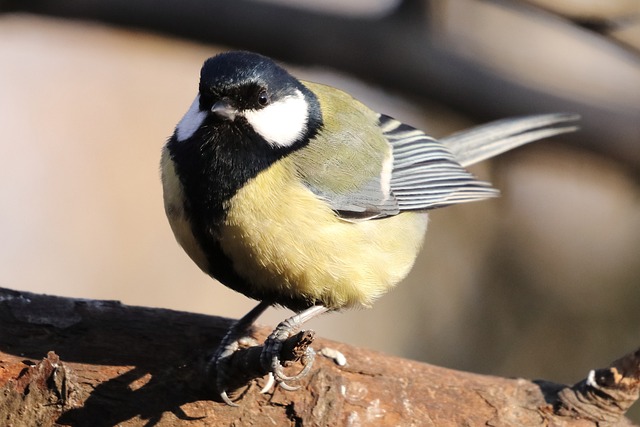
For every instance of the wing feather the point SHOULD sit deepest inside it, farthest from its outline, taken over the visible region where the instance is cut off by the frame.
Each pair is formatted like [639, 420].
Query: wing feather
[376, 172]
[485, 141]
[425, 173]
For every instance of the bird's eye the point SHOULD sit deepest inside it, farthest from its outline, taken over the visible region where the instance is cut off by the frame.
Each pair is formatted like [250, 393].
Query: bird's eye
[263, 98]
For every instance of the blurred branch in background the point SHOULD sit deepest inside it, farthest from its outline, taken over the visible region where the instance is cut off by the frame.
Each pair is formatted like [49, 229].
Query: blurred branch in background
[486, 58]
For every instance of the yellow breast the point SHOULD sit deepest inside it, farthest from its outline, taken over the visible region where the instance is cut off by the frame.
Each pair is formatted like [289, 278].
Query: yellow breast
[282, 238]
[173, 195]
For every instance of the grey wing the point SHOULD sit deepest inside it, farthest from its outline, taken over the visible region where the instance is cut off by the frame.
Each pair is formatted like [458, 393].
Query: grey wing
[425, 173]
[419, 172]
[368, 201]
[352, 177]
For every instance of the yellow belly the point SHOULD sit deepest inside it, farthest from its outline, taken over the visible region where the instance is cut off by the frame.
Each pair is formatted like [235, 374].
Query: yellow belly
[282, 238]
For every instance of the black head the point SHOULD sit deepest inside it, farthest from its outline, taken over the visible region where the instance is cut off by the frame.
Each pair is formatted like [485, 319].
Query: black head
[248, 114]
[243, 93]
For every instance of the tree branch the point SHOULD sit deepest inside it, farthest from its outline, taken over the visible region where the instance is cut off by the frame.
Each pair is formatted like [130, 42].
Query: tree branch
[82, 362]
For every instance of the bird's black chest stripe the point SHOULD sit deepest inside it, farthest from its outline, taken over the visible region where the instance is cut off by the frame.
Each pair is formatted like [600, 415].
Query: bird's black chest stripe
[211, 170]
[212, 166]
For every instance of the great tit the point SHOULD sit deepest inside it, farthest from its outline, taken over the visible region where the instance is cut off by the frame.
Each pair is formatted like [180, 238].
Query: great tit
[296, 194]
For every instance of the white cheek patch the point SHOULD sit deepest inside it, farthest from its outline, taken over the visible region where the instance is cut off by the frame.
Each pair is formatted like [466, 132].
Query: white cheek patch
[191, 121]
[281, 123]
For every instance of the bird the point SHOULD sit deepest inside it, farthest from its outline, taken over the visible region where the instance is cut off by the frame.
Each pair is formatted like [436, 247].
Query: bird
[296, 194]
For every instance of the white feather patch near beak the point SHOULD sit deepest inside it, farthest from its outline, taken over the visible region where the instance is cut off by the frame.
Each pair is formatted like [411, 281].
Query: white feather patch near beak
[191, 121]
[281, 123]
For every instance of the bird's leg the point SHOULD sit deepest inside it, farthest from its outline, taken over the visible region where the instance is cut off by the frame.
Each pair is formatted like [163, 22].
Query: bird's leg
[270, 356]
[229, 344]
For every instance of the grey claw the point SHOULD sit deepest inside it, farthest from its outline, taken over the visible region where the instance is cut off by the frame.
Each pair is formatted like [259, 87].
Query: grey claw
[288, 387]
[270, 382]
[218, 362]
[270, 356]
[278, 370]
[225, 398]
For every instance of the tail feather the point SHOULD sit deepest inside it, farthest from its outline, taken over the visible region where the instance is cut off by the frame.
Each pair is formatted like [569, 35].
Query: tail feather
[486, 141]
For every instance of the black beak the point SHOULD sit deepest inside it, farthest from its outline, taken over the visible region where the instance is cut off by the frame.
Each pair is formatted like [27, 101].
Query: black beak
[224, 110]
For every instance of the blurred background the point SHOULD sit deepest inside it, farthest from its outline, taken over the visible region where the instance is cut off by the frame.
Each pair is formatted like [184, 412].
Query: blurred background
[541, 283]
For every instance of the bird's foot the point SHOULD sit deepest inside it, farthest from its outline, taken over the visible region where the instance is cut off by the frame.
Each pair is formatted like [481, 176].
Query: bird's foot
[284, 346]
[235, 338]
[221, 362]
[270, 356]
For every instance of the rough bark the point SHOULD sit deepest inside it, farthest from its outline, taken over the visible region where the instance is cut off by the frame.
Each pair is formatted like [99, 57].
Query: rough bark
[79, 362]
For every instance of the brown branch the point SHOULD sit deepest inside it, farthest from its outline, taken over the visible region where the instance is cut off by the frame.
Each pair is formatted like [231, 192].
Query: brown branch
[81, 362]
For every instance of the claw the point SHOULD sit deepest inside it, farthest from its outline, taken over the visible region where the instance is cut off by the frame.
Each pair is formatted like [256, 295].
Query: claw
[225, 398]
[219, 361]
[278, 371]
[270, 356]
[288, 387]
[231, 342]
[270, 382]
